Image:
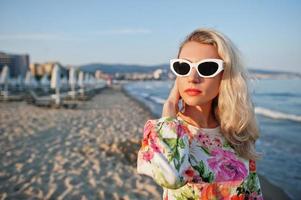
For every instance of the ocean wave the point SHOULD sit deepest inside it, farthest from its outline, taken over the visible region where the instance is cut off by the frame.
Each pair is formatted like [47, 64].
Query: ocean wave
[276, 114]
[143, 94]
[281, 94]
[157, 99]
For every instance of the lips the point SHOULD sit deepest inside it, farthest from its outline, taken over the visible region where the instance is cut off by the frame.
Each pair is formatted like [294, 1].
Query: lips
[193, 91]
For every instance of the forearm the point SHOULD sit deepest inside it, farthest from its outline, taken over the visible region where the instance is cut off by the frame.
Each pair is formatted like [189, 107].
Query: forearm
[164, 154]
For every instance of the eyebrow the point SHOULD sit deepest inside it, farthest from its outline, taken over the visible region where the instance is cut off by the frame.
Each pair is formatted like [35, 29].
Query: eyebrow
[198, 60]
[186, 59]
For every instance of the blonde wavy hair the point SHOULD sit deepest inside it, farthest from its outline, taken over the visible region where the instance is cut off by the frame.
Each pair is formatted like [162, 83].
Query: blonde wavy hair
[232, 107]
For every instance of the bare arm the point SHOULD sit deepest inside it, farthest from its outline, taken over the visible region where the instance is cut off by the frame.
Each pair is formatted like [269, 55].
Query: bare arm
[170, 107]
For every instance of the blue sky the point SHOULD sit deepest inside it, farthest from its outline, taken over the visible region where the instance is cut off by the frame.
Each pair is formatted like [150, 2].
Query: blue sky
[149, 32]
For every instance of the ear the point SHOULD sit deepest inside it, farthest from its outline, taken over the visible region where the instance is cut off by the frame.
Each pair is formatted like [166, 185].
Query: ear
[221, 75]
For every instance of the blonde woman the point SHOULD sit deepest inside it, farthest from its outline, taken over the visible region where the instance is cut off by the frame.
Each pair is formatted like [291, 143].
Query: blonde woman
[206, 149]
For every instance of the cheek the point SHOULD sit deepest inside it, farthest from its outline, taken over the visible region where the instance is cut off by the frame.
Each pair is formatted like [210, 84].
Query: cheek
[213, 87]
[214, 90]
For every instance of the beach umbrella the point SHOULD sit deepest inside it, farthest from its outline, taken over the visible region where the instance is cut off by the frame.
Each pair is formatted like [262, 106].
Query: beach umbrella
[20, 80]
[4, 75]
[55, 77]
[86, 78]
[72, 80]
[55, 83]
[44, 80]
[92, 80]
[45, 83]
[64, 82]
[4, 79]
[27, 80]
[81, 79]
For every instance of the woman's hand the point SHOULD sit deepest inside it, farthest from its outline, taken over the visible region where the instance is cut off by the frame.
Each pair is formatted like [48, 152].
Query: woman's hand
[170, 107]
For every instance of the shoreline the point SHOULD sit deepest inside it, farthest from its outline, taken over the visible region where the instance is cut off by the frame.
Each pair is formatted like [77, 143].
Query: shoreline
[270, 190]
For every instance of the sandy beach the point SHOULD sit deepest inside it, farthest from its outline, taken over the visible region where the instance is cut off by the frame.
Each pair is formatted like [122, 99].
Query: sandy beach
[83, 153]
[86, 153]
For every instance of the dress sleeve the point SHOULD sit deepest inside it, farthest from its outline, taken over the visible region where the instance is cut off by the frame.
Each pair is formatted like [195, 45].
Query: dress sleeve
[164, 152]
[251, 186]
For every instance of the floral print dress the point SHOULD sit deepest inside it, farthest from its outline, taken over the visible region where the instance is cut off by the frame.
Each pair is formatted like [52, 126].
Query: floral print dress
[195, 163]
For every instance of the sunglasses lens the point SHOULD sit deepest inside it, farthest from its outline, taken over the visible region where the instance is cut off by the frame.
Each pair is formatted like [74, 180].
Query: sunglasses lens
[181, 67]
[207, 68]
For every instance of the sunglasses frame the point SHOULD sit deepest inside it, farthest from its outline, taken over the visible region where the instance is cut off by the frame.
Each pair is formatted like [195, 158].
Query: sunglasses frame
[195, 65]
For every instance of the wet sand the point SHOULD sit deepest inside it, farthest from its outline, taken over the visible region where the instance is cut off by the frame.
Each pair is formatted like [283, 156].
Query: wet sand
[86, 153]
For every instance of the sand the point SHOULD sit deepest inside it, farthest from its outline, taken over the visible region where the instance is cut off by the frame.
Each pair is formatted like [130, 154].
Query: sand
[85, 153]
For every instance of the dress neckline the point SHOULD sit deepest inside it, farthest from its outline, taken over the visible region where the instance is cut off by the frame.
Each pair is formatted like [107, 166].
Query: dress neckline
[207, 130]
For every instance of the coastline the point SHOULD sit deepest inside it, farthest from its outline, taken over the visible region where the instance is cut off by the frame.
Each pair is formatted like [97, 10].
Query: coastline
[271, 191]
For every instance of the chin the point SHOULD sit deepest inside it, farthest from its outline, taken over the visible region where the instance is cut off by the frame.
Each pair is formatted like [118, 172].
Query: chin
[193, 101]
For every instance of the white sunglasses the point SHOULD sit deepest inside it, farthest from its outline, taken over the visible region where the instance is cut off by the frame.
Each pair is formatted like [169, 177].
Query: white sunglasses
[206, 68]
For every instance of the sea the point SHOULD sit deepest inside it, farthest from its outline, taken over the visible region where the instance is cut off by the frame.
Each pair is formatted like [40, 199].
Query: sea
[278, 112]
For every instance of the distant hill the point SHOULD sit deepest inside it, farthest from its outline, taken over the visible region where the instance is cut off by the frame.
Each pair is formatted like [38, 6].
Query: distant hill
[259, 73]
[127, 68]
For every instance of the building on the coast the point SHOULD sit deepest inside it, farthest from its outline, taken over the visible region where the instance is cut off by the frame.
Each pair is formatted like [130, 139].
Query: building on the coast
[157, 74]
[101, 75]
[18, 64]
[41, 69]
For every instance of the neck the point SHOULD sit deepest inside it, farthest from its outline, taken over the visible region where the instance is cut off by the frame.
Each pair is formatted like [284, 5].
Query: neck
[200, 116]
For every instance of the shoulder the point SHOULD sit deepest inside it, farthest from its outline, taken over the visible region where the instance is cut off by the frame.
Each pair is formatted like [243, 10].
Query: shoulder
[166, 126]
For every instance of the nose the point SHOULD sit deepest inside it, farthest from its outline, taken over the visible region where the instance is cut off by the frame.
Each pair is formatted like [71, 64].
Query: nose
[194, 76]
